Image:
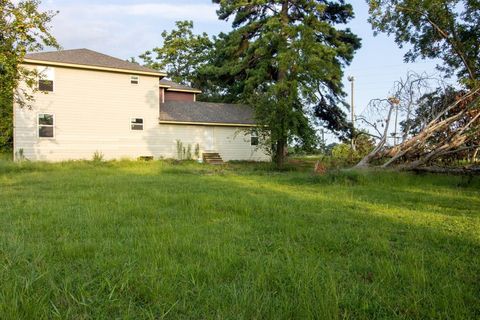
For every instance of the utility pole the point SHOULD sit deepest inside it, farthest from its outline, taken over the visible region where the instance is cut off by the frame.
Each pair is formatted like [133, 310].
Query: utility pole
[352, 82]
[394, 103]
[396, 123]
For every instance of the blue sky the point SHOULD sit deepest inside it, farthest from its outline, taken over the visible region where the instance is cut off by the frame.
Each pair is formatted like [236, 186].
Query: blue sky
[127, 28]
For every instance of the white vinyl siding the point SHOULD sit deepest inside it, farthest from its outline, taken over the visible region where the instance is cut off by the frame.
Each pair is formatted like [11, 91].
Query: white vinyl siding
[93, 112]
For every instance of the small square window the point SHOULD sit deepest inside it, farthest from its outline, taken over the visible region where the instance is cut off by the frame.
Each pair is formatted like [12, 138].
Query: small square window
[45, 85]
[136, 124]
[46, 78]
[46, 123]
[134, 79]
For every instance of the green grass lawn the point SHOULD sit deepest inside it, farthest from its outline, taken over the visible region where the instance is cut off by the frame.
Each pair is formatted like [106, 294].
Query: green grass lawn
[154, 240]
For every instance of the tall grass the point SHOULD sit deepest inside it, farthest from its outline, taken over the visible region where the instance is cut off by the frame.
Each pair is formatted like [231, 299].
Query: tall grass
[153, 240]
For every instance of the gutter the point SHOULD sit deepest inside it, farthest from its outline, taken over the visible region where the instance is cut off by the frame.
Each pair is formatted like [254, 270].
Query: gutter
[220, 124]
[95, 68]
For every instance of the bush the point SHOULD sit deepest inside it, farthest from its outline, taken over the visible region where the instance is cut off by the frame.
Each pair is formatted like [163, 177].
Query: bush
[342, 155]
[345, 156]
[342, 151]
[97, 156]
[185, 152]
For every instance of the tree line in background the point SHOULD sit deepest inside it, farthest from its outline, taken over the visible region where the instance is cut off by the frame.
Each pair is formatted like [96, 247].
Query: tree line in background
[285, 58]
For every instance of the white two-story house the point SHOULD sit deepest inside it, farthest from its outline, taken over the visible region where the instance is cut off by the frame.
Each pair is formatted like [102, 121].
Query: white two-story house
[89, 102]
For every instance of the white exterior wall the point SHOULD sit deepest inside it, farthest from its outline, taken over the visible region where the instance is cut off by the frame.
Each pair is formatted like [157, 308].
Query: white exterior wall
[92, 113]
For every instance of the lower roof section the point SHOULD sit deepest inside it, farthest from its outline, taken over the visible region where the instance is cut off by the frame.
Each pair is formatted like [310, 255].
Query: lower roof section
[173, 86]
[206, 113]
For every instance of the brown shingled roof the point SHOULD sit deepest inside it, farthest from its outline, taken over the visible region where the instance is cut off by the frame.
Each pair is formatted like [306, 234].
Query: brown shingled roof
[206, 112]
[86, 57]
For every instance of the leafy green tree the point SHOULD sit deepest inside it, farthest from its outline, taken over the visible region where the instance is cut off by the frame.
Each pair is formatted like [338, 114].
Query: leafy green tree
[344, 152]
[364, 144]
[282, 57]
[181, 55]
[23, 28]
[444, 29]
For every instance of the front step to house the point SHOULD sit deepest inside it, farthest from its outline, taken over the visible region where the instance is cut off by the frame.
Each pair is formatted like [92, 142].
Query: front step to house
[212, 158]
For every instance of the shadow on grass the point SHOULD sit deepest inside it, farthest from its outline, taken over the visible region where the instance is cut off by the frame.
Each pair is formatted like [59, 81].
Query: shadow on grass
[401, 190]
[398, 263]
[152, 240]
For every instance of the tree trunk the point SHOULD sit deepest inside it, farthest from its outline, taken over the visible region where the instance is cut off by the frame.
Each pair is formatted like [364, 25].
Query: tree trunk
[280, 153]
[281, 143]
[461, 171]
[365, 162]
[474, 156]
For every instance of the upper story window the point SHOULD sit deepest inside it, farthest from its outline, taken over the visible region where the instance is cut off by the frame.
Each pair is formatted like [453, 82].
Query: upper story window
[134, 79]
[46, 125]
[136, 124]
[46, 79]
[254, 139]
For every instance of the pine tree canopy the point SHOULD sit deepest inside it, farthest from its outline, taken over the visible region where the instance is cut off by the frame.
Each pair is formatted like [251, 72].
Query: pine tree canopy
[285, 58]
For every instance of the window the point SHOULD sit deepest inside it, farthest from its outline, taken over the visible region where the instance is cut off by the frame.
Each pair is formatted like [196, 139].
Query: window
[46, 77]
[45, 85]
[134, 79]
[46, 124]
[254, 139]
[136, 124]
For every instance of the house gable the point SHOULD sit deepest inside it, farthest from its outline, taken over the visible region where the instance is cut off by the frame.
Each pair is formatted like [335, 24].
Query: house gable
[88, 59]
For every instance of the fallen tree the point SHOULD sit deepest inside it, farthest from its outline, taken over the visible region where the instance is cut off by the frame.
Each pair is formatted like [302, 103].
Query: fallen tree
[459, 171]
[455, 130]
[447, 122]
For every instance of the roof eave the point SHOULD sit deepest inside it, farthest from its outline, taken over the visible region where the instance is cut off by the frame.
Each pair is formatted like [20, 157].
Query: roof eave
[222, 124]
[184, 90]
[89, 67]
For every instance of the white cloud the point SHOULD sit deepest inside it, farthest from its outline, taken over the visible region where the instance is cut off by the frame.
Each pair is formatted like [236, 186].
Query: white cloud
[197, 12]
[202, 12]
[124, 30]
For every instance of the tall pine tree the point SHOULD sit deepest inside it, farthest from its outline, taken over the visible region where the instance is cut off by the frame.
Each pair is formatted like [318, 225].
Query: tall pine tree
[285, 58]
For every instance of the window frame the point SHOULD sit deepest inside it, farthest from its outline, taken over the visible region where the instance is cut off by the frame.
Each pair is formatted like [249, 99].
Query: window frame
[46, 125]
[49, 77]
[132, 123]
[254, 136]
[132, 79]
[39, 89]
